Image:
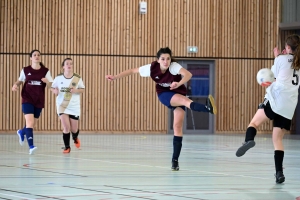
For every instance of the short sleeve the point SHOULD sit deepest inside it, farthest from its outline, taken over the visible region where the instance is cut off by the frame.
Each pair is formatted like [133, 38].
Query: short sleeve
[54, 83]
[145, 70]
[49, 77]
[22, 76]
[80, 84]
[175, 68]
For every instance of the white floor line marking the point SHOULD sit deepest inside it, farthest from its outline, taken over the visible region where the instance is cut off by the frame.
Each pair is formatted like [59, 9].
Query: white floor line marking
[161, 167]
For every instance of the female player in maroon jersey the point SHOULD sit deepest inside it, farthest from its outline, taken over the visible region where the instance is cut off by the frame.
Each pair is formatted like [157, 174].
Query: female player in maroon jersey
[35, 77]
[170, 78]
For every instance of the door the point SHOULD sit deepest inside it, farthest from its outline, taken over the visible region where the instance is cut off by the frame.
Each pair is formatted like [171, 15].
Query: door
[198, 88]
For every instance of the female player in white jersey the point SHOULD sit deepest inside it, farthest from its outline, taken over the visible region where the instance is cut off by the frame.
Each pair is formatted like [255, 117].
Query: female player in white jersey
[68, 86]
[280, 102]
[170, 78]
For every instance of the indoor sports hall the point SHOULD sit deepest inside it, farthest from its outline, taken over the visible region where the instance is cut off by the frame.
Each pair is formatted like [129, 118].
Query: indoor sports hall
[132, 146]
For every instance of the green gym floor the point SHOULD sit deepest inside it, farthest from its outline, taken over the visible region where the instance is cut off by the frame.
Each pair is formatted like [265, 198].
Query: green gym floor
[136, 167]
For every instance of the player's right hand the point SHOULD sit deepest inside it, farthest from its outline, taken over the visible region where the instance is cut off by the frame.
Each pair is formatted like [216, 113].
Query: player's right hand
[110, 77]
[15, 88]
[55, 91]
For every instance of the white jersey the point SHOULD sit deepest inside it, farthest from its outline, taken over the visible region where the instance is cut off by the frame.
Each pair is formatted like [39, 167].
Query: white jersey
[283, 93]
[145, 71]
[67, 102]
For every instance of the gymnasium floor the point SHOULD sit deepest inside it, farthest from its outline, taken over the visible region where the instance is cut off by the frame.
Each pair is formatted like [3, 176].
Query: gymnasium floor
[136, 167]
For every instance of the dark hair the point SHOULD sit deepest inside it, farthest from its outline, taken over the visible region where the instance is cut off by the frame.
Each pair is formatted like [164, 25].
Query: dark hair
[294, 42]
[31, 53]
[165, 50]
[63, 63]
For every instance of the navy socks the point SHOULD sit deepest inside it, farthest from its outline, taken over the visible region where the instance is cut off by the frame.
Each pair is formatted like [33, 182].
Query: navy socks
[198, 107]
[177, 144]
[29, 136]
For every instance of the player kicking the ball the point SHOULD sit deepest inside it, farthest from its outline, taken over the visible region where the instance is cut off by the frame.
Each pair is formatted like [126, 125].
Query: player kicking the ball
[170, 78]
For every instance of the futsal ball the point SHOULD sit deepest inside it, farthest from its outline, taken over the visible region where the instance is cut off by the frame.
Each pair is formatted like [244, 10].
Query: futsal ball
[265, 77]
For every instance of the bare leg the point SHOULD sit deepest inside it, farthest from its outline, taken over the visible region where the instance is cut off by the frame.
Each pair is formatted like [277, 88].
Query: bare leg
[180, 100]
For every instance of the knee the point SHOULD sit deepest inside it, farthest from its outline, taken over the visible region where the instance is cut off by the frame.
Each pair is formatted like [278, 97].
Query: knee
[254, 125]
[66, 129]
[74, 130]
[177, 127]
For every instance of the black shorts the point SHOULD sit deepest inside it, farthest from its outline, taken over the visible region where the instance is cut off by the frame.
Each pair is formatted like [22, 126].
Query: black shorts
[278, 120]
[71, 116]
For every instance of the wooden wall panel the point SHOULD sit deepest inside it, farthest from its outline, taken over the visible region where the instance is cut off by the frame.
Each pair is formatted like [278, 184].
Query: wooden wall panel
[125, 105]
[238, 94]
[114, 27]
[109, 36]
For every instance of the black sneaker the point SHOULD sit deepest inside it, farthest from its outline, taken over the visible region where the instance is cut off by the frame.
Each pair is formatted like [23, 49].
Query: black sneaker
[210, 105]
[245, 147]
[175, 165]
[279, 177]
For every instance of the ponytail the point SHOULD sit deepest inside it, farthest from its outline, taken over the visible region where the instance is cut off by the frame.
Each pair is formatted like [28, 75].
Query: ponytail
[296, 60]
[294, 42]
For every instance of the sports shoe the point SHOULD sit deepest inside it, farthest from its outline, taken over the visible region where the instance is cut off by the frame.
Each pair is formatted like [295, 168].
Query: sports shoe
[175, 165]
[67, 150]
[32, 149]
[279, 177]
[210, 105]
[21, 137]
[245, 147]
[77, 142]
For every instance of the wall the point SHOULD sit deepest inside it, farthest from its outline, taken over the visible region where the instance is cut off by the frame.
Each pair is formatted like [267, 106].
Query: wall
[108, 36]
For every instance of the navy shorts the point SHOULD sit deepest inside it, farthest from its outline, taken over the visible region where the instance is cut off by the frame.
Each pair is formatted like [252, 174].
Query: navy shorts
[165, 98]
[278, 120]
[70, 116]
[28, 108]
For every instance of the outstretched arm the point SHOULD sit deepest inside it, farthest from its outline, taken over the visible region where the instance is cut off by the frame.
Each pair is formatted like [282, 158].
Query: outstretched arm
[122, 74]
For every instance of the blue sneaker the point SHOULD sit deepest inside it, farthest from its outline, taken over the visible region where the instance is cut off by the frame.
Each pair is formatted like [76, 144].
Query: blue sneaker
[32, 149]
[21, 137]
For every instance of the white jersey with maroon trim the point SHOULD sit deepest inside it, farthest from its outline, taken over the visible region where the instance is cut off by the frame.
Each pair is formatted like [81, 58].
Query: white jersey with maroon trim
[283, 93]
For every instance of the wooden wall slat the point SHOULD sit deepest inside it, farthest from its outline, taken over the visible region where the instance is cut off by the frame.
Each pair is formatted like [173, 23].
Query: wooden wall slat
[238, 35]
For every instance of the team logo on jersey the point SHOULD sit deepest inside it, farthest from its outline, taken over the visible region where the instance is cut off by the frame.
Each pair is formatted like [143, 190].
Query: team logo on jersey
[62, 83]
[164, 84]
[73, 84]
[29, 74]
[156, 77]
[34, 82]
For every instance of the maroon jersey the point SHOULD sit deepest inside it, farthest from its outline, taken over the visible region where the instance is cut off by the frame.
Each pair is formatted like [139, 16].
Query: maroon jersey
[33, 91]
[164, 80]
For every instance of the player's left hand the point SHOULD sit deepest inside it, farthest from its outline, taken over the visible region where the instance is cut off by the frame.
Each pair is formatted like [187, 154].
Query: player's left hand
[73, 90]
[174, 85]
[45, 80]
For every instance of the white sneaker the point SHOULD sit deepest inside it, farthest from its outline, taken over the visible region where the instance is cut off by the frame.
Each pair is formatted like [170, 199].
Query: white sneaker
[21, 137]
[32, 150]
